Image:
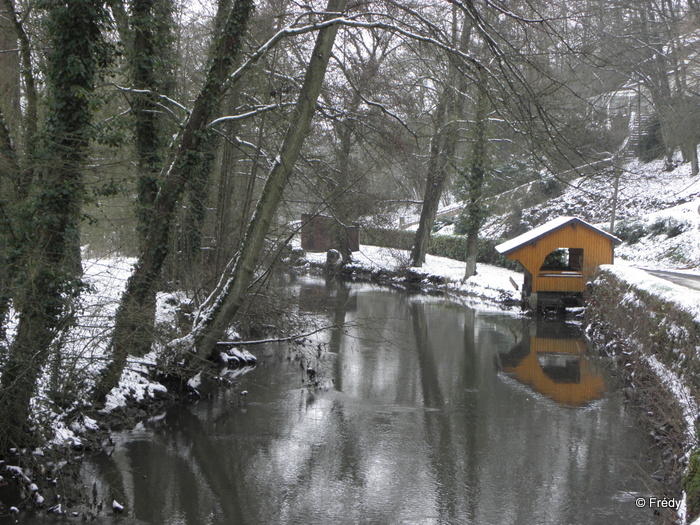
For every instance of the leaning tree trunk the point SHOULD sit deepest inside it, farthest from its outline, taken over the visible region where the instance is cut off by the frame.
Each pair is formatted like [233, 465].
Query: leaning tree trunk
[218, 319]
[438, 171]
[129, 328]
[442, 146]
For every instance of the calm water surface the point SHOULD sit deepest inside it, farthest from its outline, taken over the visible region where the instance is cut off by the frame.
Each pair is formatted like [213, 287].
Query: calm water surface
[427, 412]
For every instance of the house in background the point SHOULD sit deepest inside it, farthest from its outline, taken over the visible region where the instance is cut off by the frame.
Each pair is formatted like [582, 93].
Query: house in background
[559, 257]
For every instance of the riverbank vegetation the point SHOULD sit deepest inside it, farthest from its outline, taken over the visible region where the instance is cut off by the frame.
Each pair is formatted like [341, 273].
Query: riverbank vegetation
[646, 324]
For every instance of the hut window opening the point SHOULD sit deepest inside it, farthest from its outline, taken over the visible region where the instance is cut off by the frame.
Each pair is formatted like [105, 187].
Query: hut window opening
[564, 259]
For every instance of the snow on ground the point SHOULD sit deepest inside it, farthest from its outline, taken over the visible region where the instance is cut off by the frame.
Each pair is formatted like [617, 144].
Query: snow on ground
[69, 377]
[644, 188]
[85, 348]
[661, 206]
[677, 244]
[687, 300]
[690, 410]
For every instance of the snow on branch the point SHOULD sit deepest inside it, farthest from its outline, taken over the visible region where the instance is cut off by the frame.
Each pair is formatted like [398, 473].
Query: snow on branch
[255, 111]
[150, 92]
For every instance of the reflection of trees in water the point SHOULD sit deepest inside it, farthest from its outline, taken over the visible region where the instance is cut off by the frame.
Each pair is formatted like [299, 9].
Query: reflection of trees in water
[417, 425]
[171, 481]
[451, 442]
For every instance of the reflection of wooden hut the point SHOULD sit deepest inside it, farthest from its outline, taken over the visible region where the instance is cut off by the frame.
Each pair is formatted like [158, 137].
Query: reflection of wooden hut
[556, 368]
[583, 248]
[317, 234]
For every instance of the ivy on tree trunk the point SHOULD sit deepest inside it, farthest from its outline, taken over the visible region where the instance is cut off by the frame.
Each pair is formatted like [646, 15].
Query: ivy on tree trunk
[130, 330]
[44, 238]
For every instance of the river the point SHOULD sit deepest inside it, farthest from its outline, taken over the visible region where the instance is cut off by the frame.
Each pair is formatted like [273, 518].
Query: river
[426, 411]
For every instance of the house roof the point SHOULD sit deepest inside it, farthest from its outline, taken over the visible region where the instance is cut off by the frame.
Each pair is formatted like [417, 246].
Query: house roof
[544, 230]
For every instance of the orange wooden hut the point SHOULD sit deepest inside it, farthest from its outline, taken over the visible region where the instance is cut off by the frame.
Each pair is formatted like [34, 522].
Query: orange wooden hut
[582, 248]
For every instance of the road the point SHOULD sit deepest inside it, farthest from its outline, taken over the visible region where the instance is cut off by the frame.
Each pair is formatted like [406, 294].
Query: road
[689, 280]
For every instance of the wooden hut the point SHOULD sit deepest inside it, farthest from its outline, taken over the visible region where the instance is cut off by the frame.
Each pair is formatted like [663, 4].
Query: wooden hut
[558, 258]
[317, 234]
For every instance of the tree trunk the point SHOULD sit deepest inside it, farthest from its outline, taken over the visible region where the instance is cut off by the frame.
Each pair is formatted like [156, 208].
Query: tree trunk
[9, 75]
[437, 177]
[341, 202]
[442, 147]
[148, 52]
[129, 327]
[9, 168]
[475, 176]
[215, 322]
[48, 283]
[23, 177]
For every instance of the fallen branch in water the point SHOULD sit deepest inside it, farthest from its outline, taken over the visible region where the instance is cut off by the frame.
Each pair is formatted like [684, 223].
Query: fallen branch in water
[280, 339]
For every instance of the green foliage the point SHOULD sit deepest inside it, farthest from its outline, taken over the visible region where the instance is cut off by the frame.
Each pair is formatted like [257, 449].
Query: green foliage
[79, 53]
[465, 219]
[557, 259]
[691, 484]
[441, 223]
[669, 226]
[552, 187]
[674, 227]
[509, 175]
[396, 239]
[108, 188]
[630, 231]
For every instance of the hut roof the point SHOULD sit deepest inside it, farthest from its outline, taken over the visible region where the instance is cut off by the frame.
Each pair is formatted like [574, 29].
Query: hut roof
[547, 228]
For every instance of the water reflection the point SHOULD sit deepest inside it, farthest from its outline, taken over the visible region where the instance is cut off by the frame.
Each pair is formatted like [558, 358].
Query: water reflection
[551, 358]
[415, 422]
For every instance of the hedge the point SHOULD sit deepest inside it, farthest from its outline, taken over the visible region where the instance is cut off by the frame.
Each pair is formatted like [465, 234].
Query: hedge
[452, 246]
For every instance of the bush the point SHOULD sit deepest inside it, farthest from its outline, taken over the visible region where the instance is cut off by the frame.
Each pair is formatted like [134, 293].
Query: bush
[452, 246]
[630, 232]
[397, 239]
[674, 227]
[670, 226]
[441, 223]
[658, 227]
[651, 143]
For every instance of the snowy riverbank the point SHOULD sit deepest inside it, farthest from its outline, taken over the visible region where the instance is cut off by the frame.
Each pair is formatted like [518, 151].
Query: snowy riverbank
[653, 326]
[491, 284]
[489, 289]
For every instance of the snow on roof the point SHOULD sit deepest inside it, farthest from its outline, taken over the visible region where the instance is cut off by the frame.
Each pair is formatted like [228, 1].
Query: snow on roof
[546, 229]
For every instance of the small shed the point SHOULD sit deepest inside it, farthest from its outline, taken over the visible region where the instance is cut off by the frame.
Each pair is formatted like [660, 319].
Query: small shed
[558, 258]
[317, 233]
